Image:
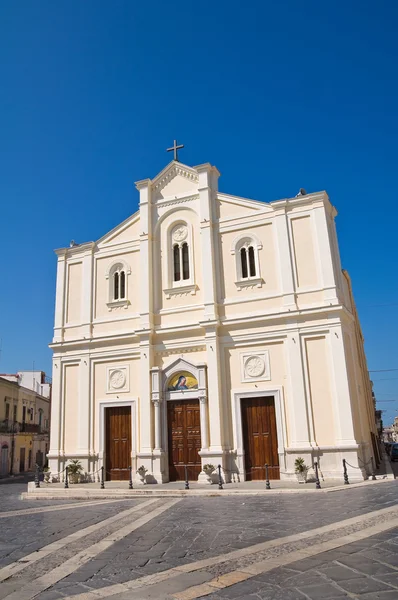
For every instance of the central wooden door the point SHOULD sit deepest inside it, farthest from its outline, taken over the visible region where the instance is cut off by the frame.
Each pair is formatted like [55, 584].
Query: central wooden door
[183, 419]
[260, 438]
[118, 443]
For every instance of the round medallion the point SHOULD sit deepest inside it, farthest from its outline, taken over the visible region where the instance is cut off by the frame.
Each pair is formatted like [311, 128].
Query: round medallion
[255, 366]
[180, 234]
[117, 379]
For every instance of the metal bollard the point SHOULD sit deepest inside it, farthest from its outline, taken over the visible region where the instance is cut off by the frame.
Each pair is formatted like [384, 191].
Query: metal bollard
[131, 478]
[66, 478]
[346, 482]
[186, 477]
[220, 487]
[267, 483]
[373, 469]
[102, 479]
[317, 482]
[37, 476]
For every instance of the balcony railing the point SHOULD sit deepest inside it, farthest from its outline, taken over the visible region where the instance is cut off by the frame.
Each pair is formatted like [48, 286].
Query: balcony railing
[8, 426]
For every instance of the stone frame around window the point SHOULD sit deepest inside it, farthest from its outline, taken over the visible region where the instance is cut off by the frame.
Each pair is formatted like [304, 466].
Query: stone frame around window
[117, 265]
[245, 240]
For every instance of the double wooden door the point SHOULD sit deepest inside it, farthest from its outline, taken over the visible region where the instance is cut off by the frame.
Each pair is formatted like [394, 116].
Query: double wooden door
[260, 438]
[183, 419]
[118, 443]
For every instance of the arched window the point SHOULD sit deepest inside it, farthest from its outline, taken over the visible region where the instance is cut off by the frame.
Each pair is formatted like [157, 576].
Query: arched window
[117, 275]
[119, 285]
[181, 255]
[245, 248]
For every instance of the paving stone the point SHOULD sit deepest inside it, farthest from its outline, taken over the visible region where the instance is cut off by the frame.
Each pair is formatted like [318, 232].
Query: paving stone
[365, 565]
[364, 585]
[339, 573]
[322, 590]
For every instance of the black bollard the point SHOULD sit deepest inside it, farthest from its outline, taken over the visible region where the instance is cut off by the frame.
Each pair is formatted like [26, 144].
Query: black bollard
[220, 487]
[373, 469]
[66, 478]
[267, 483]
[346, 482]
[317, 482]
[186, 477]
[102, 479]
[131, 478]
[37, 476]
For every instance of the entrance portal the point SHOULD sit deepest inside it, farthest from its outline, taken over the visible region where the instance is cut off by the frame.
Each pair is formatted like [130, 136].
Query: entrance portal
[183, 419]
[260, 438]
[118, 443]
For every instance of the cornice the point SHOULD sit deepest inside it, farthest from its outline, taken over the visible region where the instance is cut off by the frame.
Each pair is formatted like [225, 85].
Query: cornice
[64, 252]
[173, 170]
[176, 200]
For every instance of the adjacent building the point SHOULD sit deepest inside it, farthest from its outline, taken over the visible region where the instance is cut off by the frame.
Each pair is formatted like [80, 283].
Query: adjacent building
[25, 399]
[208, 328]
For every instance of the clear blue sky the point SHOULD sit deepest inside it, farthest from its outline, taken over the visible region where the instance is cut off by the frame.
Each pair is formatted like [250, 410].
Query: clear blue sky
[277, 95]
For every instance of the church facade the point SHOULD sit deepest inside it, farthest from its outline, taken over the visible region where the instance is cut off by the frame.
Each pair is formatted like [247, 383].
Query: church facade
[210, 329]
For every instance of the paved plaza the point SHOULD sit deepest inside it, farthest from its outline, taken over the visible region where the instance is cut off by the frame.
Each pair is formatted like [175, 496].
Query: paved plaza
[342, 544]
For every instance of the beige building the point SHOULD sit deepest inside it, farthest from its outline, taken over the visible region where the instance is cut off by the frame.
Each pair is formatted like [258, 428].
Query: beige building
[210, 329]
[24, 421]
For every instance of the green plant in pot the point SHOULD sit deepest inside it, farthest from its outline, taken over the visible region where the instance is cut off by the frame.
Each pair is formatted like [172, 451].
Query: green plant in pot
[75, 469]
[301, 469]
[47, 474]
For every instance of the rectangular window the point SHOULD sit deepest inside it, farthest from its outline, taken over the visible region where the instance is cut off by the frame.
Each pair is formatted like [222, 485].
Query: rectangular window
[23, 414]
[177, 268]
[185, 261]
[7, 411]
[14, 416]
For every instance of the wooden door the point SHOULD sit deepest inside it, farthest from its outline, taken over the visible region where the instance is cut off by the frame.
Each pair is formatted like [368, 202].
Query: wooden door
[118, 443]
[260, 438]
[21, 460]
[183, 419]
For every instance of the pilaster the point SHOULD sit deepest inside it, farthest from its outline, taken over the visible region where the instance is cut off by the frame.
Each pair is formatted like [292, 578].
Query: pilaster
[55, 422]
[60, 298]
[285, 262]
[83, 416]
[207, 188]
[297, 400]
[324, 254]
[145, 287]
[87, 293]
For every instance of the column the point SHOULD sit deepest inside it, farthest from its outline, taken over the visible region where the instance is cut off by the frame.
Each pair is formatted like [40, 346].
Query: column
[60, 298]
[158, 424]
[204, 422]
[214, 393]
[285, 261]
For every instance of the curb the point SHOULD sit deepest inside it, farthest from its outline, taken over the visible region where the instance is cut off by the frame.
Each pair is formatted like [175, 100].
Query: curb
[80, 494]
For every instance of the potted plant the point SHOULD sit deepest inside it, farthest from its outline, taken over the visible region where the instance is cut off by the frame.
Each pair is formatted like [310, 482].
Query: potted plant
[209, 470]
[74, 470]
[141, 471]
[301, 470]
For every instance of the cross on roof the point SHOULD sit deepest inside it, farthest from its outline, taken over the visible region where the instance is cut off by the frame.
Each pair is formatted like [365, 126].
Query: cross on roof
[175, 148]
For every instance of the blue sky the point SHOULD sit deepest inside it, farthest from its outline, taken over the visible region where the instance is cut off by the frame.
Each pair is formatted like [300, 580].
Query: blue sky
[277, 95]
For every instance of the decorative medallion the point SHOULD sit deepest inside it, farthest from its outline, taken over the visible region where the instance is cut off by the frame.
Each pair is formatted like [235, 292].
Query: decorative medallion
[118, 379]
[180, 233]
[254, 366]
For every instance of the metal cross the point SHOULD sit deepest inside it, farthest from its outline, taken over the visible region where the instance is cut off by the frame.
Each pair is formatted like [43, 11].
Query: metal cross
[175, 149]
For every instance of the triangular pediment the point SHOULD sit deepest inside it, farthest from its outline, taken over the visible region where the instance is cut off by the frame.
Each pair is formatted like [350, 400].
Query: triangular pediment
[175, 180]
[127, 231]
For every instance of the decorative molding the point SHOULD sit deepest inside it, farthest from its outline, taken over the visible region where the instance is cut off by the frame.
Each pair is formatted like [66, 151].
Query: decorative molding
[118, 379]
[174, 172]
[182, 290]
[115, 304]
[180, 350]
[255, 366]
[253, 282]
[246, 237]
[172, 201]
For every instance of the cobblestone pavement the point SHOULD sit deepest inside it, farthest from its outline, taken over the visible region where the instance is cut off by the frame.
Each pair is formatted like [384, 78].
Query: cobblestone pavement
[367, 570]
[124, 541]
